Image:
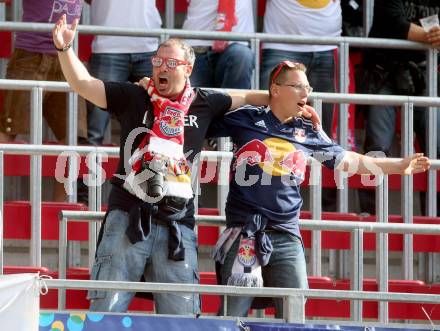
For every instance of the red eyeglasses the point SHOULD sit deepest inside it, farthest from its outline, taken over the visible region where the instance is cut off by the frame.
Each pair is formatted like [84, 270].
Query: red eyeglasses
[287, 63]
[170, 62]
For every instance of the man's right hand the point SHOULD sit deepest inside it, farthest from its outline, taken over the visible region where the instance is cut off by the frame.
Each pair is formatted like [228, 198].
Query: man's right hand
[63, 35]
[143, 82]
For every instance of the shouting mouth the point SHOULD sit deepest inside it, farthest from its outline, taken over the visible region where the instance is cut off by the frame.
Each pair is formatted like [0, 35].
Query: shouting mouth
[163, 83]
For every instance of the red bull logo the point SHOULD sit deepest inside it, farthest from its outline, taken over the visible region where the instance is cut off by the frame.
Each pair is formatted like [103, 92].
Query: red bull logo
[295, 163]
[252, 153]
[274, 156]
[171, 122]
[246, 252]
[300, 135]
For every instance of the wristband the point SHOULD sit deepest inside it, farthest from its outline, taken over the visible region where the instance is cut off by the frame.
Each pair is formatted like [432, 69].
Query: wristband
[65, 48]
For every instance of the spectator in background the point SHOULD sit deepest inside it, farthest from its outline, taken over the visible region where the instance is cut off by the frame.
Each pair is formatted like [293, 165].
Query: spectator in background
[119, 58]
[392, 72]
[221, 63]
[304, 18]
[35, 58]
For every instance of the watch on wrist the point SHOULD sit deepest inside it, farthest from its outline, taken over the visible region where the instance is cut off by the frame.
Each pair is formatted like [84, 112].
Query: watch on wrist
[65, 48]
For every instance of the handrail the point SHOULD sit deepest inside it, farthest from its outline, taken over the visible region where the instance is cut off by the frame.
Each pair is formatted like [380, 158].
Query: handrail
[306, 224]
[211, 35]
[294, 299]
[358, 99]
[357, 230]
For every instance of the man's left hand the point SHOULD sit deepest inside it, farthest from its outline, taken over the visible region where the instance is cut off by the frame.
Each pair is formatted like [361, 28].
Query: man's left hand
[143, 82]
[415, 163]
[309, 113]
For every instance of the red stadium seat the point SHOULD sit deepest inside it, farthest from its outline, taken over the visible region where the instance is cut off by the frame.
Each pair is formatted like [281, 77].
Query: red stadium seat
[17, 221]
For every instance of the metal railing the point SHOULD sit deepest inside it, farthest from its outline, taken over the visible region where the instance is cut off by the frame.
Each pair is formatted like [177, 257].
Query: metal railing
[95, 195]
[255, 39]
[357, 230]
[343, 44]
[294, 299]
[95, 155]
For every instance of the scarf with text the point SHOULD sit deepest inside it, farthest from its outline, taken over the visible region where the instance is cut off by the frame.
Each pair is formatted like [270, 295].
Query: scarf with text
[165, 140]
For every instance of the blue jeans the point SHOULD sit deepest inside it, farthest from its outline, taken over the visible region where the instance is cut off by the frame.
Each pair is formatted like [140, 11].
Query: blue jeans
[320, 73]
[116, 68]
[286, 269]
[230, 69]
[381, 122]
[379, 134]
[119, 260]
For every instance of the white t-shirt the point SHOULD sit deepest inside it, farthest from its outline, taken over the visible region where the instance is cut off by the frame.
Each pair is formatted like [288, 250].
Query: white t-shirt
[202, 15]
[141, 14]
[319, 18]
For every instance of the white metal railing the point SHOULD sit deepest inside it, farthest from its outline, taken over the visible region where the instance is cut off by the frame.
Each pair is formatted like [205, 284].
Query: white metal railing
[294, 299]
[255, 40]
[357, 230]
[317, 98]
[343, 44]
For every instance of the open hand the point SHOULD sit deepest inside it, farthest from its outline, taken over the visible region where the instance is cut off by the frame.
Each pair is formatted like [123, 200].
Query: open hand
[63, 35]
[415, 163]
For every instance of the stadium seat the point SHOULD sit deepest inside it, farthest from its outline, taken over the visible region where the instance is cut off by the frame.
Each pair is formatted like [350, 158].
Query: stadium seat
[17, 221]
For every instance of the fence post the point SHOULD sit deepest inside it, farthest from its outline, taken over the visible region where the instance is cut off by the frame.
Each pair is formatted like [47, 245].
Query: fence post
[36, 127]
[382, 244]
[315, 182]
[431, 141]
[62, 260]
[357, 272]
[294, 308]
[407, 189]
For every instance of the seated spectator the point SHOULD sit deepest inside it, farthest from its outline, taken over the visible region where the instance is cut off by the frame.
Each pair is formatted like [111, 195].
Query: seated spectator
[221, 63]
[120, 58]
[394, 72]
[304, 18]
[34, 58]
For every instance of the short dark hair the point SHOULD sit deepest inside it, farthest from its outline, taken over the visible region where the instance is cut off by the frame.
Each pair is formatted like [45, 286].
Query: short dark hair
[189, 54]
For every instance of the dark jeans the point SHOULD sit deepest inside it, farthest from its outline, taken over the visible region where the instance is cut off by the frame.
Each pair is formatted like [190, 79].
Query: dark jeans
[230, 69]
[379, 133]
[286, 268]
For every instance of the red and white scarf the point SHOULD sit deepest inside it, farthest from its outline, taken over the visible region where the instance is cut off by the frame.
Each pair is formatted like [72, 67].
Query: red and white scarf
[226, 19]
[164, 140]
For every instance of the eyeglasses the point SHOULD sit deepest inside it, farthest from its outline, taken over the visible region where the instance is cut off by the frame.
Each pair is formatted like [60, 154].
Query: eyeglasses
[286, 63]
[299, 87]
[170, 62]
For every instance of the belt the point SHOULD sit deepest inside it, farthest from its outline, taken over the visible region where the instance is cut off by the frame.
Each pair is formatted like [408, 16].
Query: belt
[201, 49]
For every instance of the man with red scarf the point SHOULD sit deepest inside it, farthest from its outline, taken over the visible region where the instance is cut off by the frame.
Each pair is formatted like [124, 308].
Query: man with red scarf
[142, 237]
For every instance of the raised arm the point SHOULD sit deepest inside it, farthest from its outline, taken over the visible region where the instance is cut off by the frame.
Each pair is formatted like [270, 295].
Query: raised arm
[76, 74]
[261, 98]
[355, 163]
[249, 97]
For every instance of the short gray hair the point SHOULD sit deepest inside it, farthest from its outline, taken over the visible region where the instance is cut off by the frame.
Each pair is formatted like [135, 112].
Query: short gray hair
[189, 54]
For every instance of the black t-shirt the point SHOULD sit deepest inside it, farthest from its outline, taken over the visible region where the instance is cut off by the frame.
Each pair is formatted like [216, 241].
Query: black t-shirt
[392, 19]
[129, 103]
